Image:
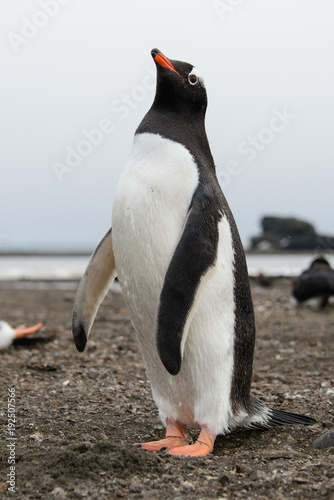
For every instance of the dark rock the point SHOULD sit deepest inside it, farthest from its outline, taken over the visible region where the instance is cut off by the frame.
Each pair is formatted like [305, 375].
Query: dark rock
[280, 233]
[327, 423]
[324, 441]
[223, 479]
[263, 280]
[286, 226]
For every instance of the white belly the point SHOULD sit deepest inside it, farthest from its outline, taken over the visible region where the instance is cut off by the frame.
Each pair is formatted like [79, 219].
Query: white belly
[149, 212]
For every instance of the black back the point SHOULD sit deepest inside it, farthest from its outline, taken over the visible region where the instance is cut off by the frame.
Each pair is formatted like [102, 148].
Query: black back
[316, 281]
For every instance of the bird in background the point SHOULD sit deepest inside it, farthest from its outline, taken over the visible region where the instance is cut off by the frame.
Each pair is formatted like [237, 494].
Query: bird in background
[175, 248]
[9, 334]
[315, 282]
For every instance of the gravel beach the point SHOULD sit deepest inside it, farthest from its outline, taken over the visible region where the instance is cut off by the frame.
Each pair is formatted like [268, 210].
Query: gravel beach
[77, 415]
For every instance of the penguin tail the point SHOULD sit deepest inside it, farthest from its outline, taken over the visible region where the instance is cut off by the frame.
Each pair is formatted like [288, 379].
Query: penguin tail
[264, 417]
[281, 417]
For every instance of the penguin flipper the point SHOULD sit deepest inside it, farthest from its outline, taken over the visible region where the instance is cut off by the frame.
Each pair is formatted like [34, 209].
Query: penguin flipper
[194, 255]
[93, 287]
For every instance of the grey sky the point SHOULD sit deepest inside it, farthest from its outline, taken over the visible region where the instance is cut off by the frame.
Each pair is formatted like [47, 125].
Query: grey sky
[72, 66]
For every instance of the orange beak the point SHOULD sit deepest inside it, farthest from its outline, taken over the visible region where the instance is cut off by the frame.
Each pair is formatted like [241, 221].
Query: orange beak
[19, 332]
[159, 58]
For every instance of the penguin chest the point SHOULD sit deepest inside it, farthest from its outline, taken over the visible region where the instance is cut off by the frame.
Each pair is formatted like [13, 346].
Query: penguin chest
[149, 212]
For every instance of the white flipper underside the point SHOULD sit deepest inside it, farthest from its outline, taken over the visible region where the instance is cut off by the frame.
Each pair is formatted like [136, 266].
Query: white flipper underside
[94, 285]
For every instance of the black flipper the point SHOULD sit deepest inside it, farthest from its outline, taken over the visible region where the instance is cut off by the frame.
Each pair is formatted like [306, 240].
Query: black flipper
[194, 255]
[98, 276]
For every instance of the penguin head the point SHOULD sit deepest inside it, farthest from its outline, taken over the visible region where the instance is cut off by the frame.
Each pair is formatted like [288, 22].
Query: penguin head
[179, 86]
[319, 262]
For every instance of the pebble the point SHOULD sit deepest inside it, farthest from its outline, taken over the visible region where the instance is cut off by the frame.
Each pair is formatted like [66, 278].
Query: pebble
[135, 486]
[59, 492]
[38, 437]
[256, 475]
[223, 479]
[324, 441]
[188, 485]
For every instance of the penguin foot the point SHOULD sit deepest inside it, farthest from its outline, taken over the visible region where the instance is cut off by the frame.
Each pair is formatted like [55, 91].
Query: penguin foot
[176, 437]
[202, 447]
[171, 442]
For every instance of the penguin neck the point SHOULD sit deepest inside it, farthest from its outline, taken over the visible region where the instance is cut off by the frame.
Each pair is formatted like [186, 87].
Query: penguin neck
[185, 128]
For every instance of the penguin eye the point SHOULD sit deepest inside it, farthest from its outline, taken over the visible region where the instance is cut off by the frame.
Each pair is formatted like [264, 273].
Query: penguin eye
[192, 79]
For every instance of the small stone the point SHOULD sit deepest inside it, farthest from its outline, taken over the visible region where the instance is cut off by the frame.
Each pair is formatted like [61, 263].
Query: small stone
[256, 475]
[89, 438]
[59, 492]
[327, 423]
[230, 445]
[188, 485]
[223, 479]
[135, 485]
[38, 437]
[324, 441]
[300, 480]
[151, 494]
[239, 469]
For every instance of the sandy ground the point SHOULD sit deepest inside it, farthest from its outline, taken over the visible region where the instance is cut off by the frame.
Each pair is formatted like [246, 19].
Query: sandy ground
[77, 415]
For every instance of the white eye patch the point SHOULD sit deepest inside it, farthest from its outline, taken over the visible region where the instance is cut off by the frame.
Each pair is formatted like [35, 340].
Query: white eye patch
[194, 77]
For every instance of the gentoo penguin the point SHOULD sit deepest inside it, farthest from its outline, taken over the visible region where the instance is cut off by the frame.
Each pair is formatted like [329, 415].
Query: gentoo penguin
[182, 272]
[317, 281]
[8, 334]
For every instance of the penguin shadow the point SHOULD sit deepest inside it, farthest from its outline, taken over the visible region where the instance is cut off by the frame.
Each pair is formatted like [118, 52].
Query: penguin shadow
[241, 440]
[32, 342]
[316, 305]
[256, 441]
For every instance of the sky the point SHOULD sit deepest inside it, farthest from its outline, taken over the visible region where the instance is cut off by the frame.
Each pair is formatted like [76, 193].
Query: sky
[77, 77]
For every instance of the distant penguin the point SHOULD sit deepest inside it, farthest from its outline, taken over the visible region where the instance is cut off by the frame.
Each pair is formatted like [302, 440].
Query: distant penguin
[316, 281]
[182, 272]
[9, 334]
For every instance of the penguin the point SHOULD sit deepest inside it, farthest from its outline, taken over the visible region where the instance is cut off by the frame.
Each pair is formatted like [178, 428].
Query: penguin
[9, 334]
[316, 281]
[175, 248]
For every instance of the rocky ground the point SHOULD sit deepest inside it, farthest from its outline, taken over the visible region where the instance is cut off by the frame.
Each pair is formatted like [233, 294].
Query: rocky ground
[77, 415]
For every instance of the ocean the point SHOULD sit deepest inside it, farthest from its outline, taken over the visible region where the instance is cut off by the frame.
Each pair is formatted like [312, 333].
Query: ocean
[71, 267]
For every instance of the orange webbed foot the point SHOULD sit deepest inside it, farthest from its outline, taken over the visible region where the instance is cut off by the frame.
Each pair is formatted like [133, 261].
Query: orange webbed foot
[176, 437]
[170, 442]
[202, 447]
[192, 450]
